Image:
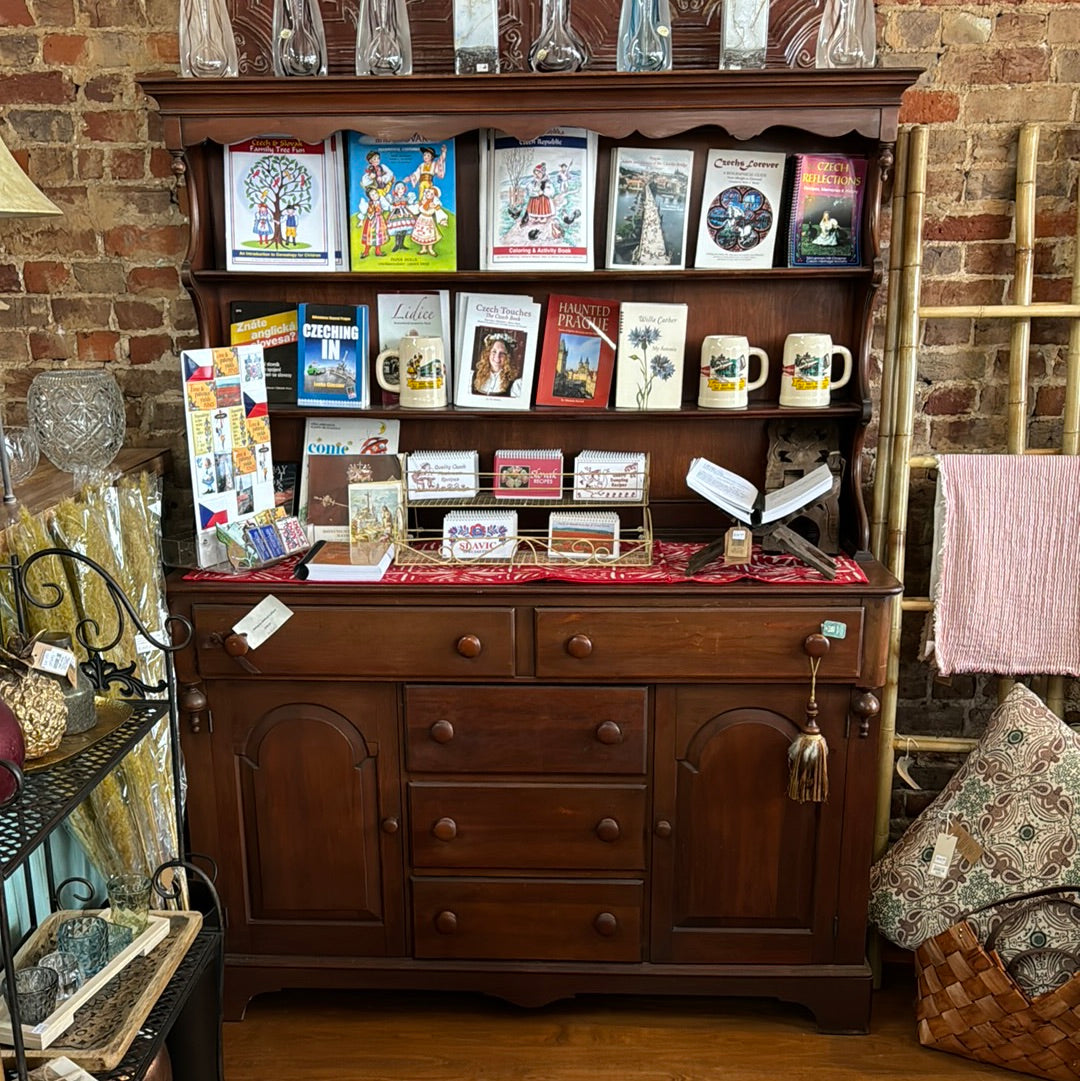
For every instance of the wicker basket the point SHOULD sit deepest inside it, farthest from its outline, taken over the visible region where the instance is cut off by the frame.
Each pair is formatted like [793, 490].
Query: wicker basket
[969, 1004]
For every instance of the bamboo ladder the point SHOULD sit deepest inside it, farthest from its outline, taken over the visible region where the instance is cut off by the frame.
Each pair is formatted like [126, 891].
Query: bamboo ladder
[892, 482]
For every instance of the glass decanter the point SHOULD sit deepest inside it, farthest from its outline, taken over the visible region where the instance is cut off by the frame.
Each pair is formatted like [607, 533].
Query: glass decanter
[744, 33]
[848, 35]
[207, 43]
[299, 41]
[557, 47]
[383, 40]
[644, 36]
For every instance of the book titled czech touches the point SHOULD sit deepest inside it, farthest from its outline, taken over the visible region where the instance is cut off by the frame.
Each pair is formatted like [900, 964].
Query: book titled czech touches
[495, 358]
[647, 205]
[332, 355]
[578, 357]
[740, 208]
[826, 210]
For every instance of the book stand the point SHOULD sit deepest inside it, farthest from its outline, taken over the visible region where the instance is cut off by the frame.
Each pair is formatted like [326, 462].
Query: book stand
[776, 537]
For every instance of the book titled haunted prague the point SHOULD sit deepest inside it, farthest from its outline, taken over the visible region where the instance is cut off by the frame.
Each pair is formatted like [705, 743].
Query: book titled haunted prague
[825, 228]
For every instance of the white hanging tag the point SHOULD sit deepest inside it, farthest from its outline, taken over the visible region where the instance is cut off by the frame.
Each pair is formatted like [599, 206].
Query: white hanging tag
[944, 848]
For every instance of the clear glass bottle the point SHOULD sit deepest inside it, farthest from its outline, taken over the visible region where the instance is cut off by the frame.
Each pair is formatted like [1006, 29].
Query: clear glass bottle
[207, 43]
[383, 41]
[557, 47]
[744, 33]
[298, 38]
[848, 35]
[644, 36]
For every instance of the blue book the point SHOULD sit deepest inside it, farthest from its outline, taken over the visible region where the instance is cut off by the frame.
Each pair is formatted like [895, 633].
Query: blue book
[402, 204]
[332, 356]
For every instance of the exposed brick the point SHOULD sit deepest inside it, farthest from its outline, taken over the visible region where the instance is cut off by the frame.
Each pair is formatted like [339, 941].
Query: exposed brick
[990, 67]
[160, 163]
[15, 13]
[127, 164]
[153, 281]
[113, 126]
[965, 28]
[18, 50]
[105, 88]
[131, 241]
[63, 49]
[9, 278]
[1063, 25]
[1050, 401]
[955, 400]
[987, 259]
[52, 166]
[73, 312]
[114, 13]
[90, 163]
[1019, 105]
[100, 277]
[164, 48]
[149, 348]
[42, 125]
[969, 227]
[947, 332]
[55, 12]
[1051, 291]
[136, 315]
[46, 277]
[929, 107]
[954, 294]
[37, 87]
[97, 344]
[48, 344]
[1055, 223]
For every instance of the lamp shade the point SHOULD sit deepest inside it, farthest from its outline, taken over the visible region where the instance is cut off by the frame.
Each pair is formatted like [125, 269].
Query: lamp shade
[18, 196]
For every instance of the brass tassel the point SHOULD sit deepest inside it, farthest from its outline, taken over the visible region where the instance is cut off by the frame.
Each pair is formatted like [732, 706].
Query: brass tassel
[808, 779]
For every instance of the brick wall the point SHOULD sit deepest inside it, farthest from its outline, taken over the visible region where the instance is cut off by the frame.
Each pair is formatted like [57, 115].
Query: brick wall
[102, 284]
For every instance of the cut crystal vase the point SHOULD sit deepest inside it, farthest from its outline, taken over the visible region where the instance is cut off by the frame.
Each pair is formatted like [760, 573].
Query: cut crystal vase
[383, 40]
[557, 47]
[299, 41]
[644, 36]
[744, 33]
[207, 44]
[848, 35]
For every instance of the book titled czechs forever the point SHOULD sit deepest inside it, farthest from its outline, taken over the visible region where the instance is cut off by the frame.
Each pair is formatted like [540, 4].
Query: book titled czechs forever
[826, 210]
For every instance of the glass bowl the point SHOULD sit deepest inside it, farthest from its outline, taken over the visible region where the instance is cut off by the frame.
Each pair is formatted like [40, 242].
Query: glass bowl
[22, 453]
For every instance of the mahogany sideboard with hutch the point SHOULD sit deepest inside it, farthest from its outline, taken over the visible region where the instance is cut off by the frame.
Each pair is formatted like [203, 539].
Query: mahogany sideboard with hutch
[549, 789]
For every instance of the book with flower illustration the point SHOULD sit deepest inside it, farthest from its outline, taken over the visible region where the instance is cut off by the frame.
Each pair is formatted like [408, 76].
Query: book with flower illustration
[578, 357]
[826, 210]
[649, 360]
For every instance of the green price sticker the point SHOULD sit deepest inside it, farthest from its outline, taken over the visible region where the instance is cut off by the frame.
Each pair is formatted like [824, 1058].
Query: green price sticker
[833, 628]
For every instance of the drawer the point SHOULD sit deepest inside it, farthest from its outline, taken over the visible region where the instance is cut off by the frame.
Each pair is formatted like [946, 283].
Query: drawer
[525, 827]
[526, 729]
[692, 643]
[527, 919]
[384, 642]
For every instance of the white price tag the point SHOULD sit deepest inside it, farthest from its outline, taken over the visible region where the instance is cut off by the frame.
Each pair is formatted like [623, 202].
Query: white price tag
[263, 620]
[54, 660]
[942, 855]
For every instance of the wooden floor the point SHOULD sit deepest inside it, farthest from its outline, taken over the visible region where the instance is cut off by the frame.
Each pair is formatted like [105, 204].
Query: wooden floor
[376, 1036]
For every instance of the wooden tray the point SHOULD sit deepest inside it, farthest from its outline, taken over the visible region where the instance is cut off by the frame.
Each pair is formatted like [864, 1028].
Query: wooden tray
[105, 1024]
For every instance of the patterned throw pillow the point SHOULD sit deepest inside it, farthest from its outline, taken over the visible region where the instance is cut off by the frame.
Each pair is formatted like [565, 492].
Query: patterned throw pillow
[1018, 795]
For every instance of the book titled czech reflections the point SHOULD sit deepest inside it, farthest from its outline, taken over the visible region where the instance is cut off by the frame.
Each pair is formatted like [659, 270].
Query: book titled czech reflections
[826, 210]
[332, 355]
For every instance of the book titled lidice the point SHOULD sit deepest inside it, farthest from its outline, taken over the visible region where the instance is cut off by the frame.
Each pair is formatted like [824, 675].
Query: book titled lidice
[742, 500]
[527, 474]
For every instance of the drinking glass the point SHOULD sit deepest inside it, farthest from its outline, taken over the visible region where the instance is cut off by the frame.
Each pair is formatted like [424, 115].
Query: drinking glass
[66, 967]
[120, 937]
[36, 991]
[87, 937]
[22, 453]
[129, 900]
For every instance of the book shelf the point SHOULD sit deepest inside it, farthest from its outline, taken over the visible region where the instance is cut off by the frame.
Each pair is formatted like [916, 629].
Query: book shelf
[657, 717]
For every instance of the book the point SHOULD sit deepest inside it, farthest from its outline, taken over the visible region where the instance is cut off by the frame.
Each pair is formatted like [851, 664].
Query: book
[332, 355]
[539, 194]
[330, 478]
[279, 205]
[527, 474]
[425, 315]
[479, 534]
[583, 535]
[228, 435]
[338, 438]
[577, 361]
[742, 500]
[649, 360]
[610, 476]
[825, 227]
[332, 561]
[495, 359]
[271, 324]
[648, 208]
[741, 198]
[442, 474]
[402, 204]
[376, 511]
[339, 207]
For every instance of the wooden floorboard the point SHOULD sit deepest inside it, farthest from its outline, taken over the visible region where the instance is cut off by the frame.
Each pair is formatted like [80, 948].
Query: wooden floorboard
[375, 1036]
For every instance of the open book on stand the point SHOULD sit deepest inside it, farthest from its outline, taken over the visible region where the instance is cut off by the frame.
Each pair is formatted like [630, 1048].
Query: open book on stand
[742, 500]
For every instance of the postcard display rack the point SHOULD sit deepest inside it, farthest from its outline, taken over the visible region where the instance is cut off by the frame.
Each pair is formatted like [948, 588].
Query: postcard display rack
[165, 988]
[543, 790]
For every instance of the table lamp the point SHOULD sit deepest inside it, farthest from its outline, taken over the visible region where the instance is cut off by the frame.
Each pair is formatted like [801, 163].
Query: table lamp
[18, 199]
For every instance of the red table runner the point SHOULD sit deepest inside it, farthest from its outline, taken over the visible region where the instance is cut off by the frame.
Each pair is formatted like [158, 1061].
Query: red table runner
[669, 567]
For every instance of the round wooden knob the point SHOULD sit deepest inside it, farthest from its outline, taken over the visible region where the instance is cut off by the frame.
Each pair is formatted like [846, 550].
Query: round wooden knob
[446, 922]
[236, 645]
[606, 924]
[662, 828]
[193, 700]
[441, 731]
[390, 825]
[609, 732]
[816, 645]
[445, 829]
[866, 707]
[468, 645]
[579, 645]
[607, 829]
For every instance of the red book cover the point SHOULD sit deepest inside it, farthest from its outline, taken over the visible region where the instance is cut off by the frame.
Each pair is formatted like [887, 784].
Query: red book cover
[826, 210]
[528, 474]
[578, 357]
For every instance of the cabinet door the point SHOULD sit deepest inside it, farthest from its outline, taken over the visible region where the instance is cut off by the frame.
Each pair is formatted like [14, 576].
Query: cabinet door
[741, 872]
[309, 810]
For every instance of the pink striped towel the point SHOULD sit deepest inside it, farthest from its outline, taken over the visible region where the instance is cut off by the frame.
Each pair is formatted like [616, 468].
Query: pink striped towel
[1007, 595]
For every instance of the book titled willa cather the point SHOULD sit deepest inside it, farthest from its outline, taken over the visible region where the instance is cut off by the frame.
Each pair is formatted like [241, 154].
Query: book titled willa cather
[332, 355]
[826, 210]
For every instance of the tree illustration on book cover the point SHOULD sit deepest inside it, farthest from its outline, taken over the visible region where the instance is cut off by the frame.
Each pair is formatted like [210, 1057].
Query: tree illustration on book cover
[277, 191]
